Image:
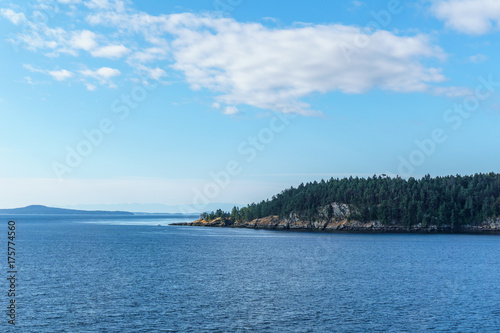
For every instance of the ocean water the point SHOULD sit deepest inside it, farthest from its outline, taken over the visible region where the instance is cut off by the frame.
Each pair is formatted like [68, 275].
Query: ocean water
[131, 275]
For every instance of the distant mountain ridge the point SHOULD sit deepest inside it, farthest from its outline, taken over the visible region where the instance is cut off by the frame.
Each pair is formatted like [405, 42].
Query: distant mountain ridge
[44, 210]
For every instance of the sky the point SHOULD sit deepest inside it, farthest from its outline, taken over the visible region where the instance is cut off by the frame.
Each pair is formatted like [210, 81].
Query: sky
[180, 106]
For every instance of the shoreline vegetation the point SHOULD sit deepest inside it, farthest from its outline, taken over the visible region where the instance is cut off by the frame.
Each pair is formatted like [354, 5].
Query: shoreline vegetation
[378, 204]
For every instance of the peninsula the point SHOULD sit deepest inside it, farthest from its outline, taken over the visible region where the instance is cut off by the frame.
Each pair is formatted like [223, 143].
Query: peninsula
[451, 204]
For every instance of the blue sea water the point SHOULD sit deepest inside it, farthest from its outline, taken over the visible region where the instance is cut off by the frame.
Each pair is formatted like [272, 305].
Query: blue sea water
[131, 275]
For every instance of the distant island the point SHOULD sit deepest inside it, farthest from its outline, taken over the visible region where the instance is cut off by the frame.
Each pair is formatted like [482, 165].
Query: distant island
[44, 210]
[451, 204]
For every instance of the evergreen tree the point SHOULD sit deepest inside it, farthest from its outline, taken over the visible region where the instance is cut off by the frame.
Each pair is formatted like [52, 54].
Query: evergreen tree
[452, 200]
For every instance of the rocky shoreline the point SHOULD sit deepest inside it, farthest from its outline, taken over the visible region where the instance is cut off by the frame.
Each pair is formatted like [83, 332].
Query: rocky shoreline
[344, 225]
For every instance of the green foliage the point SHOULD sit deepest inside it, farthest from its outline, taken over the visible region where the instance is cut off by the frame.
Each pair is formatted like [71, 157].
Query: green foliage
[455, 200]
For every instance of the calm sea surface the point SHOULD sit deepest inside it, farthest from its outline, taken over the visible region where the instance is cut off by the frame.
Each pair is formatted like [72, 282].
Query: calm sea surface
[131, 275]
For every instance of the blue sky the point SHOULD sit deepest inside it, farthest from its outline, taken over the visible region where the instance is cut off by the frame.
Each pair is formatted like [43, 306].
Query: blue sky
[179, 105]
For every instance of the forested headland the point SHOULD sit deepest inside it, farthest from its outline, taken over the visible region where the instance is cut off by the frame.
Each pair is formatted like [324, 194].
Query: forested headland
[452, 201]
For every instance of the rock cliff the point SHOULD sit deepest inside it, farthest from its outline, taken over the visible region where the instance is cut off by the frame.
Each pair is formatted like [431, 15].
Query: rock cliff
[335, 218]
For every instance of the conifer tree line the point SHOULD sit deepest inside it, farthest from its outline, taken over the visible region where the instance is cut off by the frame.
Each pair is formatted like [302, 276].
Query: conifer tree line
[451, 200]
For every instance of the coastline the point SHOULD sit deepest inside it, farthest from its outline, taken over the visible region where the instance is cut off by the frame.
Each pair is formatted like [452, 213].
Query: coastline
[338, 226]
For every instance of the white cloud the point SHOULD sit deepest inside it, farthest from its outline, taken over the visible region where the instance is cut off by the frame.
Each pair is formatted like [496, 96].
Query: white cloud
[477, 58]
[156, 73]
[12, 16]
[231, 110]
[33, 69]
[29, 80]
[116, 5]
[35, 40]
[452, 92]
[153, 73]
[69, 2]
[90, 87]
[61, 75]
[102, 75]
[248, 63]
[110, 51]
[102, 4]
[355, 4]
[473, 17]
[270, 19]
[273, 69]
[85, 40]
[105, 73]
[149, 55]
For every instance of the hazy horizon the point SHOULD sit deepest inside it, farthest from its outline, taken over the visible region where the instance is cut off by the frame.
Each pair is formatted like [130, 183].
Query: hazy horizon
[144, 208]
